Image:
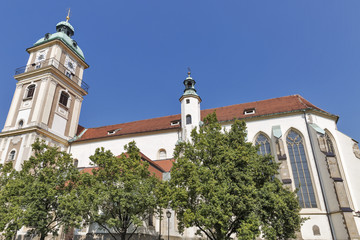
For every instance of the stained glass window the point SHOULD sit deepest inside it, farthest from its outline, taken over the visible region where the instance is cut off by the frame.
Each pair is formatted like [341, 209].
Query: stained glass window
[300, 170]
[264, 144]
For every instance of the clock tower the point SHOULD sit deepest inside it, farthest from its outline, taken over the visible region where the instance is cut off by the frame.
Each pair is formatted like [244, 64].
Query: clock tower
[48, 96]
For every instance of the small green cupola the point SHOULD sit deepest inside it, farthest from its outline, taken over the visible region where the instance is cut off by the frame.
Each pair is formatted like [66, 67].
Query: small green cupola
[65, 27]
[189, 90]
[64, 32]
[189, 84]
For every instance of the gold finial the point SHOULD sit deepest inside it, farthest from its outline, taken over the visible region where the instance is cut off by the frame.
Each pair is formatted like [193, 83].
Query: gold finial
[189, 71]
[68, 16]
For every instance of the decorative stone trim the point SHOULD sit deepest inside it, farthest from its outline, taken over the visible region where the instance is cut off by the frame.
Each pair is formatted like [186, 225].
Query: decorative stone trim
[356, 150]
[280, 151]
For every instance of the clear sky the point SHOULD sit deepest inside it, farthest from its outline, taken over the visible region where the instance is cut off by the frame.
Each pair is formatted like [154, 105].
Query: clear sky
[238, 50]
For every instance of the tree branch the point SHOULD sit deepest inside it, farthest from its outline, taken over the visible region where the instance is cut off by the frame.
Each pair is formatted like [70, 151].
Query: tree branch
[107, 229]
[133, 232]
[204, 231]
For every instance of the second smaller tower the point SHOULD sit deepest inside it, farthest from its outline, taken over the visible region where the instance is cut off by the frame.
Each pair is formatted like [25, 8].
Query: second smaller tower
[190, 108]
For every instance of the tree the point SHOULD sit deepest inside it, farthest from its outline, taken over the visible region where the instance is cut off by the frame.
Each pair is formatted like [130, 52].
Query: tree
[10, 210]
[120, 192]
[225, 189]
[42, 193]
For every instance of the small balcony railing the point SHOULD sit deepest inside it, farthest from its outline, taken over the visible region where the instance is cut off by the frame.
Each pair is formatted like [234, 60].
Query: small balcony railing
[55, 63]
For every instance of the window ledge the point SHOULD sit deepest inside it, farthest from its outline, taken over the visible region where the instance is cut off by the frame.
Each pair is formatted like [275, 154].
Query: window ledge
[63, 106]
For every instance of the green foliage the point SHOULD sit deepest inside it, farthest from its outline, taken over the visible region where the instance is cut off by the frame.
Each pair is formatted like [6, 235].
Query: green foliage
[10, 210]
[41, 195]
[120, 193]
[224, 188]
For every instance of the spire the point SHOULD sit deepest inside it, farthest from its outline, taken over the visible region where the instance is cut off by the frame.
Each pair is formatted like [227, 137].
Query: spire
[68, 16]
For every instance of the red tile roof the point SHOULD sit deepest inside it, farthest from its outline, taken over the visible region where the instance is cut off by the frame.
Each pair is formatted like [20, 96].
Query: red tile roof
[262, 108]
[154, 168]
[166, 164]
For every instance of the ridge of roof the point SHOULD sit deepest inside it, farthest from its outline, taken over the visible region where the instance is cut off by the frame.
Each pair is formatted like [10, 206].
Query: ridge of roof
[267, 107]
[117, 124]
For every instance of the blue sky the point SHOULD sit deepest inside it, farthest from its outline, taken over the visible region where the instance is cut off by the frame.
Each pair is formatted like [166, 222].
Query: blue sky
[239, 51]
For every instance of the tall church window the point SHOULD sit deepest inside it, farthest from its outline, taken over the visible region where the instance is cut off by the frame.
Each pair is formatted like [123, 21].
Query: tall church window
[12, 155]
[64, 98]
[264, 144]
[300, 170]
[188, 119]
[30, 91]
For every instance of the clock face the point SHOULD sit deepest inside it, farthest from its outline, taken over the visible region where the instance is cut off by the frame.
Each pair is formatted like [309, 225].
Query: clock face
[70, 64]
[40, 55]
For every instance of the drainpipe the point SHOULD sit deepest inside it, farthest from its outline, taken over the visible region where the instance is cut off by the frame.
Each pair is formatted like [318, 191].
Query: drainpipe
[320, 180]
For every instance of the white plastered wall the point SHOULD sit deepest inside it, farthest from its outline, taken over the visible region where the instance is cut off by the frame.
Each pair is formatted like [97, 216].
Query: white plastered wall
[13, 106]
[149, 144]
[192, 108]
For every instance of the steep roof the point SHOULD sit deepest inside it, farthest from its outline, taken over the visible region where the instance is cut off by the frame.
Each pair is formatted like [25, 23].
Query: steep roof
[262, 108]
[154, 168]
[166, 164]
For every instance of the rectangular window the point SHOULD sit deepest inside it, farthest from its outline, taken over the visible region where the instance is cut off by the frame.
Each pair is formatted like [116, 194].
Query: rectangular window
[64, 97]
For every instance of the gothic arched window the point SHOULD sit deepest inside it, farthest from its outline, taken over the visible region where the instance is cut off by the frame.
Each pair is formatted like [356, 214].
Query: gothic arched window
[300, 170]
[188, 119]
[30, 91]
[64, 97]
[264, 144]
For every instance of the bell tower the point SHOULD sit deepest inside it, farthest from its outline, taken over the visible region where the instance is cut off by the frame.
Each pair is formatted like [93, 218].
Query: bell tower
[190, 108]
[48, 96]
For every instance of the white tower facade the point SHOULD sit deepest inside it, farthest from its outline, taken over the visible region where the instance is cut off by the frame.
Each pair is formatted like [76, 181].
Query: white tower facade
[190, 108]
[48, 96]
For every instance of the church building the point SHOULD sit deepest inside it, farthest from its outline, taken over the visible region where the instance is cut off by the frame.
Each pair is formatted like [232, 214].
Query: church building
[315, 157]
